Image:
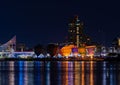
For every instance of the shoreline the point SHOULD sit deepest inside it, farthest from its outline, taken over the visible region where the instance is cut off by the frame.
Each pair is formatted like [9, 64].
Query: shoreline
[51, 59]
[60, 59]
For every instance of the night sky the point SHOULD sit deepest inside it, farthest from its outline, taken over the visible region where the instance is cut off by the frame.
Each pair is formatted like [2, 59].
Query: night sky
[46, 21]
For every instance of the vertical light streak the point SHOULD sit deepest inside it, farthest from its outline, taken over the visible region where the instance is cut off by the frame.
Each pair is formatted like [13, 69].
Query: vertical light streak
[65, 73]
[83, 73]
[11, 74]
[77, 37]
[70, 73]
[25, 73]
[59, 70]
[91, 73]
[77, 75]
[21, 63]
[104, 73]
[66, 76]
[48, 74]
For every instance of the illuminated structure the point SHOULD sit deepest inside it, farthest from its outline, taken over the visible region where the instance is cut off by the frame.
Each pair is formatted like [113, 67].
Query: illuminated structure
[116, 42]
[90, 51]
[75, 33]
[9, 50]
[116, 46]
[9, 46]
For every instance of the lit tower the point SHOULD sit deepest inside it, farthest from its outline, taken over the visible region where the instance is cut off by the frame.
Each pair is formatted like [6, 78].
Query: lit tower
[75, 32]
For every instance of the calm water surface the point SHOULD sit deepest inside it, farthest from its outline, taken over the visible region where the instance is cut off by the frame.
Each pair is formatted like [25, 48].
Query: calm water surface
[59, 73]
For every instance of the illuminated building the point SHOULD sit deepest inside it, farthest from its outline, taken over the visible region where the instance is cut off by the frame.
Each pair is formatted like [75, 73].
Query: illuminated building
[66, 50]
[9, 46]
[116, 42]
[116, 45]
[75, 33]
[90, 51]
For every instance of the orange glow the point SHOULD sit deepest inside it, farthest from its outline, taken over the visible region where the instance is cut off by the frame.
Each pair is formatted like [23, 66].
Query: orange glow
[91, 56]
[91, 73]
[65, 74]
[83, 74]
[77, 77]
[75, 54]
[71, 46]
[66, 50]
[82, 51]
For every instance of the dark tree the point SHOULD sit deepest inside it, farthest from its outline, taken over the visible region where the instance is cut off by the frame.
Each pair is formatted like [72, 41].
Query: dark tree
[52, 49]
[38, 49]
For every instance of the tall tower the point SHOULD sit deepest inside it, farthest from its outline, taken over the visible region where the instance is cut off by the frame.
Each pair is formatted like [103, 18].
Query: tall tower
[75, 31]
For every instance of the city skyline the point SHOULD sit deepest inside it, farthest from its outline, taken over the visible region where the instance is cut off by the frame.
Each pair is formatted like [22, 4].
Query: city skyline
[43, 22]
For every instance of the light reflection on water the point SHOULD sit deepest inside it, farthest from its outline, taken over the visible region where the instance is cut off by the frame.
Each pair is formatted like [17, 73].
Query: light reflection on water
[59, 73]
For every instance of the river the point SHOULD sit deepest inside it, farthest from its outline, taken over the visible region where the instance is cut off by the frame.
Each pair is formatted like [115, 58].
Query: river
[59, 73]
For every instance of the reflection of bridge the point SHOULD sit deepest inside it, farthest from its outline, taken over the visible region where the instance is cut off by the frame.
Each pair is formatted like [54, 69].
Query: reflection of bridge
[16, 54]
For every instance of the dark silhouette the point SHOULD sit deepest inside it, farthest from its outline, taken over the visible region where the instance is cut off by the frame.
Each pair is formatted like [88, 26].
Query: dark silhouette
[38, 49]
[52, 49]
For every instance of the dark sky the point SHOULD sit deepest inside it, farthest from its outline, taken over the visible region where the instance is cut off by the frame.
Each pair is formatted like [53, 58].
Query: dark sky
[46, 21]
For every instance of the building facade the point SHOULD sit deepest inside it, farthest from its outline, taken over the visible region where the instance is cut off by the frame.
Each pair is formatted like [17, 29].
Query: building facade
[75, 33]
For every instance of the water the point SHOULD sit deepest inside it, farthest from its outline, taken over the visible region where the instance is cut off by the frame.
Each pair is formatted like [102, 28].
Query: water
[59, 73]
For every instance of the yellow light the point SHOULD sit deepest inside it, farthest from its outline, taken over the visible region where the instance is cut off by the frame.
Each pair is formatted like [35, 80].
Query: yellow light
[82, 51]
[67, 50]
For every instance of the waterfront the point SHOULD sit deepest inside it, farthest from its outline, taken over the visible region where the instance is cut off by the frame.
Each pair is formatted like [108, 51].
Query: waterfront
[59, 73]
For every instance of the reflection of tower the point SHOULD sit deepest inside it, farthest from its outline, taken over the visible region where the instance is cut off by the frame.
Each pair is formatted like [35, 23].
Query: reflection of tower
[75, 31]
